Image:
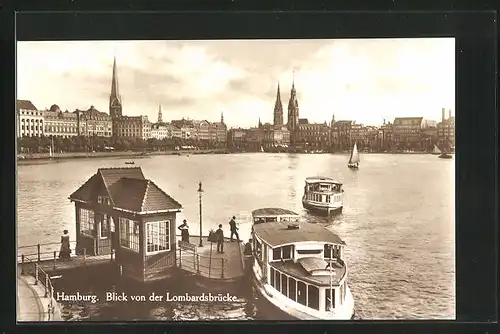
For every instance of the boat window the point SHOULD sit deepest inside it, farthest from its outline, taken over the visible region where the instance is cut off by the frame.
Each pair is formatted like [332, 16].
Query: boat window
[277, 253]
[301, 293]
[285, 219]
[278, 281]
[272, 276]
[309, 251]
[329, 307]
[292, 289]
[327, 198]
[271, 219]
[284, 285]
[313, 297]
[287, 252]
[327, 252]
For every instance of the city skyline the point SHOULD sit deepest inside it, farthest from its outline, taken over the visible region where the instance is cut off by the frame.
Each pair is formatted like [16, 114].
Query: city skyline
[363, 80]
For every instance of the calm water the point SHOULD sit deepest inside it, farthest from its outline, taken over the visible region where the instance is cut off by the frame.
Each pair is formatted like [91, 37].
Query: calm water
[398, 224]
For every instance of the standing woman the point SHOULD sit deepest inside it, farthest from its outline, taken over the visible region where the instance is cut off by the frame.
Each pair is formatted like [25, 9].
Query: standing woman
[65, 251]
[184, 231]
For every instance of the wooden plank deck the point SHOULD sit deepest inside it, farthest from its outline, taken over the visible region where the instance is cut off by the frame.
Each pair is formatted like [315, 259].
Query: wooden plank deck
[49, 265]
[210, 264]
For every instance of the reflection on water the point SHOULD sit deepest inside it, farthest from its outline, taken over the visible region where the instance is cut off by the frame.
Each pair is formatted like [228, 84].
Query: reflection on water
[397, 222]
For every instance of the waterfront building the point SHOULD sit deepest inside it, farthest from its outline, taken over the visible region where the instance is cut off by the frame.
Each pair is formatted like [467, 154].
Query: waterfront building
[406, 132]
[187, 128]
[371, 140]
[161, 131]
[385, 136]
[119, 210]
[132, 127]
[29, 119]
[341, 135]
[60, 124]
[313, 135]
[358, 135]
[236, 137]
[446, 130]
[93, 122]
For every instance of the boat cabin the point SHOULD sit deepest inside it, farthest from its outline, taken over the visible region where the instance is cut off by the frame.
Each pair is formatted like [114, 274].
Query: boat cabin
[119, 210]
[303, 262]
[267, 215]
[323, 184]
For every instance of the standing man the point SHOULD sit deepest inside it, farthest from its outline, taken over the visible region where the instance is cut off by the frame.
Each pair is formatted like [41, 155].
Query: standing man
[234, 229]
[220, 239]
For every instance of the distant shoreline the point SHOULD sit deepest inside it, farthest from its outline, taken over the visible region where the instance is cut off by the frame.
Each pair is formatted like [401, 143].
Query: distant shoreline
[89, 155]
[82, 155]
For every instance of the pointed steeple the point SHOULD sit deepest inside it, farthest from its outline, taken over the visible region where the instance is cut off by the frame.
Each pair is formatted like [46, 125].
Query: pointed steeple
[115, 101]
[278, 108]
[293, 108]
[160, 115]
[222, 117]
[260, 124]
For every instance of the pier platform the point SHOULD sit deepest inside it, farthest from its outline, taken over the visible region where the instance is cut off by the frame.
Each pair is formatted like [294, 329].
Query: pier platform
[32, 304]
[206, 262]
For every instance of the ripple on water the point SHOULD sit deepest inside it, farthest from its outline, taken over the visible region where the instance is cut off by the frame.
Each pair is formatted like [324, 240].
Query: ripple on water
[398, 229]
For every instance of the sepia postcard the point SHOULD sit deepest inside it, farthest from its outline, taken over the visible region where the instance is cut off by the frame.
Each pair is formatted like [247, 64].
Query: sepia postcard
[180, 180]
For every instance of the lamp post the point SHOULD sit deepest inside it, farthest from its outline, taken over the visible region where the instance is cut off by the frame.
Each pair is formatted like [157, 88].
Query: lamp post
[200, 191]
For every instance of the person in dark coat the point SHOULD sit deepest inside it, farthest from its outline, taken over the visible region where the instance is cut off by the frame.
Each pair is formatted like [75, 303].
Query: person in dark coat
[184, 228]
[65, 251]
[220, 239]
[234, 229]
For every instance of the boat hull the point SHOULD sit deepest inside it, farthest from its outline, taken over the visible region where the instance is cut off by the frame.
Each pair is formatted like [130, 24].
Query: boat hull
[323, 209]
[271, 308]
[445, 156]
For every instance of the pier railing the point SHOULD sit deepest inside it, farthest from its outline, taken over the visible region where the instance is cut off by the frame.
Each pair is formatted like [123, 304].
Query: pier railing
[41, 277]
[202, 265]
[49, 252]
[42, 252]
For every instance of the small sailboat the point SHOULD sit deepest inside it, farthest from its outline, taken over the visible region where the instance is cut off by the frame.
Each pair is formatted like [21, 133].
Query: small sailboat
[436, 150]
[129, 163]
[261, 149]
[51, 148]
[354, 158]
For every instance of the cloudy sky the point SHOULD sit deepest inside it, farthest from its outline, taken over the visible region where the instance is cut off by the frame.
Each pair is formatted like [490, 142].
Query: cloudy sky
[363, 80]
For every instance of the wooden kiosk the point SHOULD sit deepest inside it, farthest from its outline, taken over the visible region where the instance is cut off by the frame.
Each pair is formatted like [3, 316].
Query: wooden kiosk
[119, 210]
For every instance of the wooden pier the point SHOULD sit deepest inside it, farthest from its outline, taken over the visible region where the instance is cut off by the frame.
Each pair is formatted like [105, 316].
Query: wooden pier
[205, 261]
[48, 260]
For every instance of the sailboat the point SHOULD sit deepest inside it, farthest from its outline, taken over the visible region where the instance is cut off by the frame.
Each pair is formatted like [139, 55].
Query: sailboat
[436, 150]
[51, 147]
[261, 149]
[354, 158]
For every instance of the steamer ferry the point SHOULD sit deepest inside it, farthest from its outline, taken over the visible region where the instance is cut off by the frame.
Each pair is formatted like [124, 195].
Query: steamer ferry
[323, 194]
[297, 267]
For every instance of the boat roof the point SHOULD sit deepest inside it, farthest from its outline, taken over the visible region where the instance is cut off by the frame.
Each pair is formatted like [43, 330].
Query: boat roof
[323, 179]
[278, 233]
[266, 212]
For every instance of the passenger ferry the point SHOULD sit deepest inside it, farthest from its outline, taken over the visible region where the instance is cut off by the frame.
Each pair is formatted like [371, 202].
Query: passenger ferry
[323, 194]
[298, 267]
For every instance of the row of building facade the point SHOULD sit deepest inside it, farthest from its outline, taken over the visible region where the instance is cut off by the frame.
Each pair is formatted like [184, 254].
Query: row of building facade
[403, 133]
[92, 122]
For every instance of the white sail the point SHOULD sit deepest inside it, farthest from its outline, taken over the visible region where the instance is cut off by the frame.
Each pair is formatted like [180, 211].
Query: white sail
[436, 150]
[261, 149]
[354, 155]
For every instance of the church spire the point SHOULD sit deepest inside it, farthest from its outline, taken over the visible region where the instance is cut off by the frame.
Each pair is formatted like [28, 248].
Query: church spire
[115, 103]
[160, 115]
[293, 108]
[260, 124]
[222, 117]
[278, 108]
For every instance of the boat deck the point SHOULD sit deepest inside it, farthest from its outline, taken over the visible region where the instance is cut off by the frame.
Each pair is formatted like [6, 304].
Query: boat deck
[297, 270]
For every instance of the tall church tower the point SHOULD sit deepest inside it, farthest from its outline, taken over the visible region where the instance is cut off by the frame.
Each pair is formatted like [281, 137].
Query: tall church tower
[278, 109]
[293, 110]
[115, 102]
[160, 115]
[222, 117]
